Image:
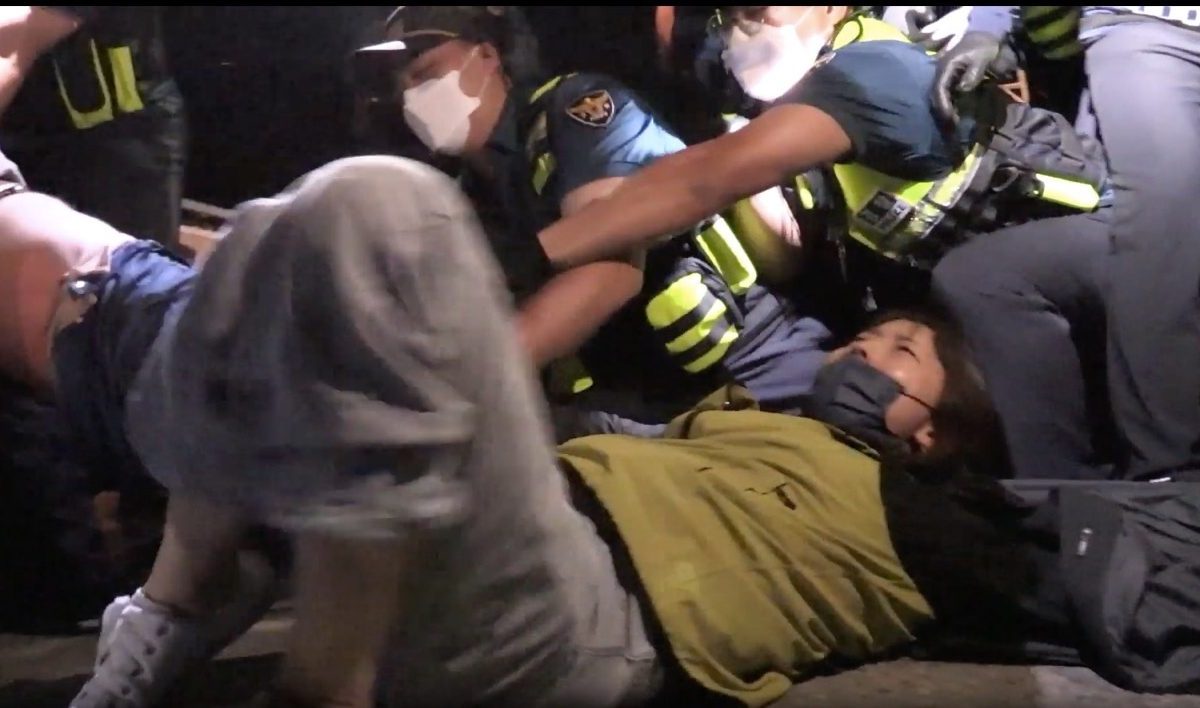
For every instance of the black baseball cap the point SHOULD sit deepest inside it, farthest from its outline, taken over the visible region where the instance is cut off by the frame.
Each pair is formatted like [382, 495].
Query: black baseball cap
[413, 29]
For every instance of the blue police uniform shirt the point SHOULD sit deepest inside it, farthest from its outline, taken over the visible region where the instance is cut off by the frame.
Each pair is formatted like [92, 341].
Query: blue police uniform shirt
[596, 128]
[588, 148]
[778, 366]
[620, 137]
[878, 92]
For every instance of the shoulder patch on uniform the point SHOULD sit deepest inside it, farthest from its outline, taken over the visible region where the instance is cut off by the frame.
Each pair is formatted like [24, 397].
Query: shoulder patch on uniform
[594, 109]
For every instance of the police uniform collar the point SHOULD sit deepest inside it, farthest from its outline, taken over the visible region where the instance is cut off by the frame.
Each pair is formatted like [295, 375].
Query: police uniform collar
[501, 145]
[505, 138]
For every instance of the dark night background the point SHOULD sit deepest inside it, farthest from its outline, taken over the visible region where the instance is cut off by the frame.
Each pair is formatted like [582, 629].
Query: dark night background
[268, 90]
[269, 96]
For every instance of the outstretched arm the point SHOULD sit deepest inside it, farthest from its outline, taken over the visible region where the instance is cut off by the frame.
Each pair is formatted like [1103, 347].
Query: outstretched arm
[558, 319]
[26, 32]
[568, 310]
[687, 187]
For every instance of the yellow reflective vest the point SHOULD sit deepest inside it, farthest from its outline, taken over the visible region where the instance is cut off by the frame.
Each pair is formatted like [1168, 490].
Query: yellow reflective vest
[908, 220]
[94, 69]
[689, 310]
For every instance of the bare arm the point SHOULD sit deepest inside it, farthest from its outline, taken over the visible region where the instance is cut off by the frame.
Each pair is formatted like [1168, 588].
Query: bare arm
[767, 229]
[770, 233]
[568, 310]
[683, 189]
[27, 32]
[348, 595]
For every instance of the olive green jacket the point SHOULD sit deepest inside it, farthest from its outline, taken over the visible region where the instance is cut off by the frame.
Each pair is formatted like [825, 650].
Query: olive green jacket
[760, 540]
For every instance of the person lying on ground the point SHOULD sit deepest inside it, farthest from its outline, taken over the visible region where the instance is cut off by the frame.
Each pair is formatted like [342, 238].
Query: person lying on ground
[347, 371]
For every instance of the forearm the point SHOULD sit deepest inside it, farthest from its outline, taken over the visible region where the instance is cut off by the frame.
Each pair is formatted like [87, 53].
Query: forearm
[12, 76]
[558, 319]
[654, 203]
[681, 190]
[26, 32]
[770, 233]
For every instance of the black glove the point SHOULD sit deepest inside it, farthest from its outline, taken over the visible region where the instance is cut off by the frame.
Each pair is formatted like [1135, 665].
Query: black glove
[917, 19]
[963, 68]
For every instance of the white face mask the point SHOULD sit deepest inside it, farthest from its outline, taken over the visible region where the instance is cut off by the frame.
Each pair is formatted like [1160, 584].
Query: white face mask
[439, 111]
[771, 61]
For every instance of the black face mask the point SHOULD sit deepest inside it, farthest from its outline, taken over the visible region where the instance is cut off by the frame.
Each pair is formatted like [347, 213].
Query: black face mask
[854, 396]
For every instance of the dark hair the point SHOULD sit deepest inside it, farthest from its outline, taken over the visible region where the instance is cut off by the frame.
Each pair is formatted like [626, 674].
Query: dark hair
[954, 526]
[506, 28]
[967, 428]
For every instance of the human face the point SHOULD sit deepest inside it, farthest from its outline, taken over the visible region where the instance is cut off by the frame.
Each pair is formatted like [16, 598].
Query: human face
[769, 48]
[454, 93]
[751, 18]
[904, 351]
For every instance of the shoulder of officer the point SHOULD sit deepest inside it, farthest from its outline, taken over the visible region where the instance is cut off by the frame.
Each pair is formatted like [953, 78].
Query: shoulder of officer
[859, 55]
[868, 66]
[587, 99]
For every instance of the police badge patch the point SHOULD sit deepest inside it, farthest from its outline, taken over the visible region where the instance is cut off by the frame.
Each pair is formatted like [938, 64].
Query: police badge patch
[594, 109]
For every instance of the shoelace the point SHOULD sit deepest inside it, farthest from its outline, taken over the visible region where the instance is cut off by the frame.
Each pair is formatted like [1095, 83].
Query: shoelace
[142, 646]
[143, 653]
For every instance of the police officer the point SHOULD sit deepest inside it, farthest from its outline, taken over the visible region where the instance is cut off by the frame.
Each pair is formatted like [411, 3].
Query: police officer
[851, 96]
[786, 227]
[664, 325]
[1143, 73]
[91, 112]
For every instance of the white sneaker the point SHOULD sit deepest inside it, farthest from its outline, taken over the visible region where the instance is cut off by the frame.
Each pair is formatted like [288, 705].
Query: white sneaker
[144, 647]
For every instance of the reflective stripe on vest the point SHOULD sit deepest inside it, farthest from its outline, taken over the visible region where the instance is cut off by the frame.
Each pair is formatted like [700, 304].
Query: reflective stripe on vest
[804, 192]
[723, 250]
[568, 375]
[866, 29]
[543, 167]
[1054, 29]
[124, 85]
[543, 160]
[693, 322]
[889, 214]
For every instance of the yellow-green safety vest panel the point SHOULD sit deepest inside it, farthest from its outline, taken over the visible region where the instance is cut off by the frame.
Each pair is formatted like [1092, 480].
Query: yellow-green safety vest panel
[568, 376]
[123, 87]
[1054, 29]
[694, 325]
[859, 29]
[889, 214]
